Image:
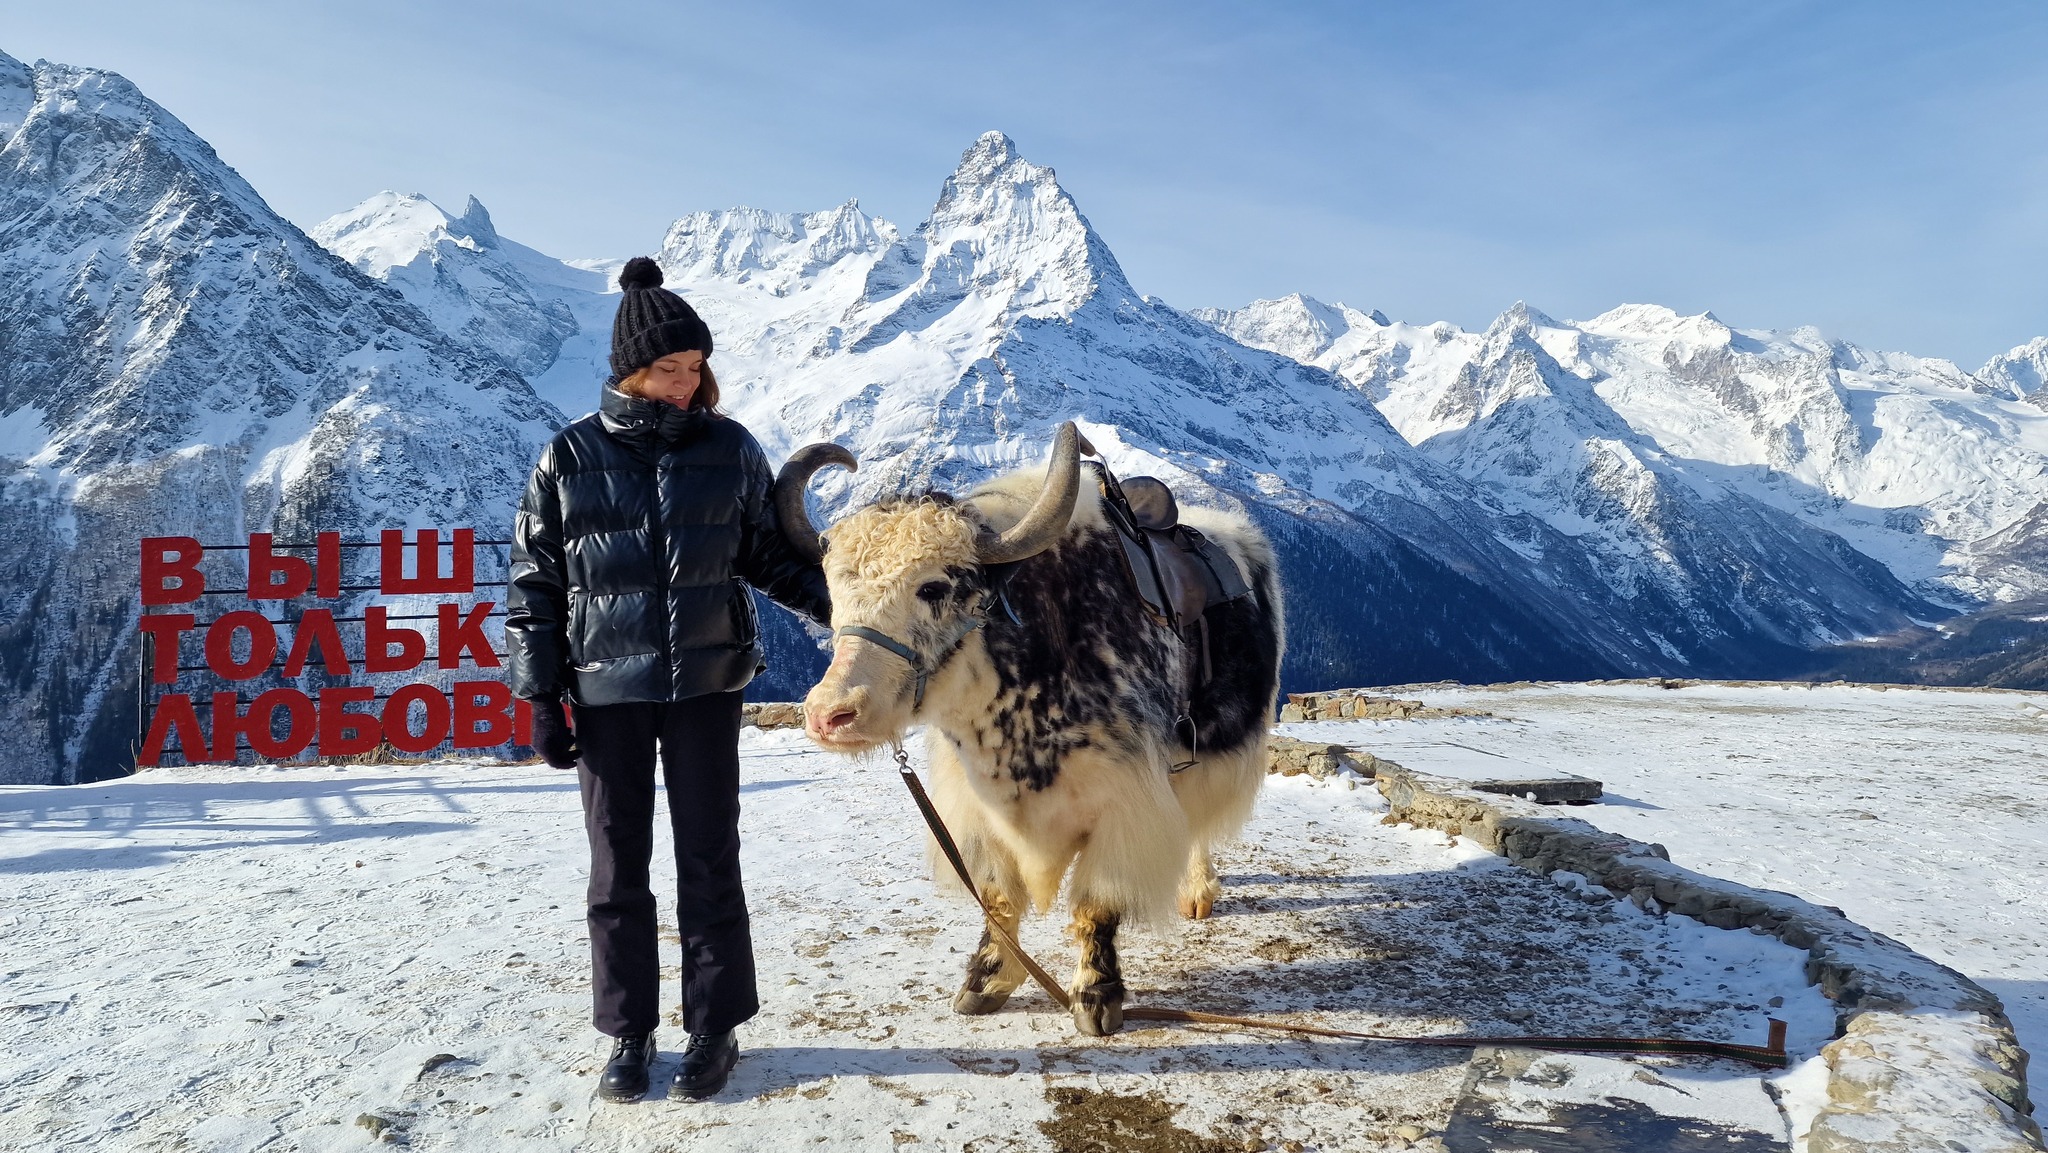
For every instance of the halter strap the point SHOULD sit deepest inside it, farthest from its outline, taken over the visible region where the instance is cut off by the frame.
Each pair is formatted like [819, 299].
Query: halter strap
[998, 591]
[881, 638]
[918, 668]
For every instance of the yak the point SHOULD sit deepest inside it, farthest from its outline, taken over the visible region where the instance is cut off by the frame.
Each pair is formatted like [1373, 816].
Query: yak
[1068, 729]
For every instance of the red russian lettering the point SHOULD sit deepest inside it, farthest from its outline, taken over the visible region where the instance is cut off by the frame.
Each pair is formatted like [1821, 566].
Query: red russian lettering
[170, 570]
[165, 631]
[343, 733]
[301, 722]
[460, 633]
[482, 703]
[220, 648]
[379, 636]
[273, 577]
[316, 630]
[522, 723]
[229, 723]
[426, 559]
[327, 565]
[397, 721]
[174, 714]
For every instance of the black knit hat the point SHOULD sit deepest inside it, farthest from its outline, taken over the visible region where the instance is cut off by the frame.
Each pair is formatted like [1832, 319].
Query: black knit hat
[652, 321]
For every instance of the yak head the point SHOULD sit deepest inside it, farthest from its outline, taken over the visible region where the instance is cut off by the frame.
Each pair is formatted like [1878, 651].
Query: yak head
[910, 582]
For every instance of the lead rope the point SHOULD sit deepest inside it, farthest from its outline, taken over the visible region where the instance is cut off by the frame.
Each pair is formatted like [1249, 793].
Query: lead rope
[1771, 1055]
[945, 838]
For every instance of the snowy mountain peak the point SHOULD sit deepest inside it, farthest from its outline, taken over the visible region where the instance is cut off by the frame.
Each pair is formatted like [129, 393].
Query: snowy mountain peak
[392, 229]
[744, 244]
[1524, 327]
[987, 156]
[475, 223]
[1004, 238]
[1295, 325]
[1329, 320]
[494, 293]
[1654, 321]
[2021, 374]
[1521, 317]
[87, 108]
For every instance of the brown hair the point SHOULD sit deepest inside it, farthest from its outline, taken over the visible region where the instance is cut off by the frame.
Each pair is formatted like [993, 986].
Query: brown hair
[707, 387]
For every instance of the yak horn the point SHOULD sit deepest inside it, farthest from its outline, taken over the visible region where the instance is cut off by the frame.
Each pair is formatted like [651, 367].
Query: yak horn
[1049, 514]
[789, 494]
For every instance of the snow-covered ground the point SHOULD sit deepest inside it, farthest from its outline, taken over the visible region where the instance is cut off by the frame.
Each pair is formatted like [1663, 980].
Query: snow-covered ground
[1921, 813]
[289, 958]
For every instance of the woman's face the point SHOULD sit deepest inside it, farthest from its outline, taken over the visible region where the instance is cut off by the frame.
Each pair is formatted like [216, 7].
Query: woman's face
[674, 378]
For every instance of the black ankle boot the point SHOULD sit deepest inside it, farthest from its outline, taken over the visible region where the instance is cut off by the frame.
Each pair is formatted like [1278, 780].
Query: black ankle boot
[707, 1062]
[625, 1076]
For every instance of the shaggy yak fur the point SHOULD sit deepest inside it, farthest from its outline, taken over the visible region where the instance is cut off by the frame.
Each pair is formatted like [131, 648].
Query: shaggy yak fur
[1053, 742]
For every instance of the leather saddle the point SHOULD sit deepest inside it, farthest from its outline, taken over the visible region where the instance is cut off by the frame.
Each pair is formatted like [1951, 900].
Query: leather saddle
[1177, 573]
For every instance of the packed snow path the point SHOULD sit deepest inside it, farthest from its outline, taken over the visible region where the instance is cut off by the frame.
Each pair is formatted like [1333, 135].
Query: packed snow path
[314, 958]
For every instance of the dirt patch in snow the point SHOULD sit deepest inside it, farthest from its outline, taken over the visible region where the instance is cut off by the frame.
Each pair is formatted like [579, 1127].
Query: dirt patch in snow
[1087, 1121]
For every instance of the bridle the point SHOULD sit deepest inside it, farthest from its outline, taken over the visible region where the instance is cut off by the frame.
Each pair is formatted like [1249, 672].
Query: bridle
[997, 591]
[920, 671]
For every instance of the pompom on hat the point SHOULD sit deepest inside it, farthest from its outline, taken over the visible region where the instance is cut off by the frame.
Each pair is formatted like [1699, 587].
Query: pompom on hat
[652, 322]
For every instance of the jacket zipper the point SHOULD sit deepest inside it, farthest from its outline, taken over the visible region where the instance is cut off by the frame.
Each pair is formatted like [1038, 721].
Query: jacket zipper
[668, 624]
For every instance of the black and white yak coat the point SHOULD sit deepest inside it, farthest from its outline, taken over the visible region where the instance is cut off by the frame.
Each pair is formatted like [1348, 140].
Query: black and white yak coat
[1055, 744]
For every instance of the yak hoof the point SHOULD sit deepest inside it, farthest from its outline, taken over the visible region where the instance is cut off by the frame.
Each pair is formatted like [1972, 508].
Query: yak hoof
[1099, 1011]
[972, 1003]
[1198, 901]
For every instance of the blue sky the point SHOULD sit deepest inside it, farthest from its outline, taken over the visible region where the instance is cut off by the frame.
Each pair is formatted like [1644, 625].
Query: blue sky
[1879, 170]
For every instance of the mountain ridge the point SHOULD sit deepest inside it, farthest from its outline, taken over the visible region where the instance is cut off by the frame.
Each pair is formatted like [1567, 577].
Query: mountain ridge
[944, 352]
[1885, 449]
[1640, 494]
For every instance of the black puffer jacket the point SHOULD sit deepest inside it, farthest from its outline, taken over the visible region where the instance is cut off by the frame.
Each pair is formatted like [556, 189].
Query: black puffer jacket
[638, 535]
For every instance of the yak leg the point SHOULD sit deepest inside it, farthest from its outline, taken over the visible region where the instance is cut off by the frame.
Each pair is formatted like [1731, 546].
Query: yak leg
[1217, 795]
[992, 973]
[1200, 887]
[1098, 989]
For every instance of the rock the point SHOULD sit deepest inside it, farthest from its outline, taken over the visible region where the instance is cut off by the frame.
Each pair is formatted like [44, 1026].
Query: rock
[1722, 918]
[1355, 704]
[772, 715]
[1563, 789]
[1288, 757]
[1410, 1133]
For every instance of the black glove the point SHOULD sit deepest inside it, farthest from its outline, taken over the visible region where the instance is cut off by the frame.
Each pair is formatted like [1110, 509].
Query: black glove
[552, 737]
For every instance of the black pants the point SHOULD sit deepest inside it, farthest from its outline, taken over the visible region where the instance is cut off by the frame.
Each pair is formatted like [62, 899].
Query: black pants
[700, 767]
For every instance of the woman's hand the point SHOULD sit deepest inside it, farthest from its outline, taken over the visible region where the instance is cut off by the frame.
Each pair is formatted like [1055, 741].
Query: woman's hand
[553, 739]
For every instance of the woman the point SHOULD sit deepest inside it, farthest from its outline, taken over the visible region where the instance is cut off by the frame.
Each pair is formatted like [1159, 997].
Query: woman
[639, 534]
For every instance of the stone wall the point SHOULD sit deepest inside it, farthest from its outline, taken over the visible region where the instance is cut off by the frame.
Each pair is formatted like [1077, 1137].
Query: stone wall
[1924, 1059]
[1357, 704]
[1288, 757]
[772, 715]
